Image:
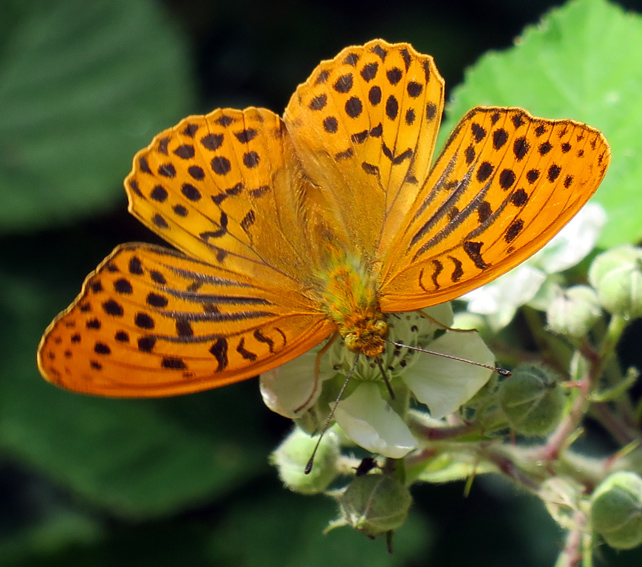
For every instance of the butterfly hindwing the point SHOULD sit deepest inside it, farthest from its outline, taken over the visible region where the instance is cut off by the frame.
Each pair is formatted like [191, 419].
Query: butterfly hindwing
[152, 322]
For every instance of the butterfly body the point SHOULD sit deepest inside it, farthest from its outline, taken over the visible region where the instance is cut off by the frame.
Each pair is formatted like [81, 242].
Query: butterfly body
[350, 300]
[292, 229]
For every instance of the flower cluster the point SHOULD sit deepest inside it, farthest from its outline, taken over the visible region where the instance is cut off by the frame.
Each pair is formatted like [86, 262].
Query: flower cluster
[366, 413]
[419, 417]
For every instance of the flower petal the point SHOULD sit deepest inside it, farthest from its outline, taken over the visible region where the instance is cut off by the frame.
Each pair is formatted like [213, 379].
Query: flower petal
[574, 242]
[370, 422]
[443, 384]
[550, 289]
[290, 389]
[514, 288]
[443, 313]
[501, 298]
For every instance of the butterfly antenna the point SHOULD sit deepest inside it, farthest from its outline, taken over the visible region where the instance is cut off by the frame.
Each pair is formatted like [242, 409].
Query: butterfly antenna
[326, 425]
[500, 371]
[385, 378]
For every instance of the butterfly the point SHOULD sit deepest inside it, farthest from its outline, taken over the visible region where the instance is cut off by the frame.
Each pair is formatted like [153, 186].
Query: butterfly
[291, 230]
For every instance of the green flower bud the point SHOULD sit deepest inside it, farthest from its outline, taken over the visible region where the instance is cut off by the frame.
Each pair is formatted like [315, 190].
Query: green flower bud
[532, 400]
[293, 454]
[616, 510]
[375, 504]
[617, 276]
[574, 311]
[562, 498]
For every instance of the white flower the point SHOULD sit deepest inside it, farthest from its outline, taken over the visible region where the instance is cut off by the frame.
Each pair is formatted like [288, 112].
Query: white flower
[531, 282]
[367, 418]
[366, 414]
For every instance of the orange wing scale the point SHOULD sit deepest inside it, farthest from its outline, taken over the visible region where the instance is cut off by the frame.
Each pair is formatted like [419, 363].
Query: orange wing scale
[220, 188]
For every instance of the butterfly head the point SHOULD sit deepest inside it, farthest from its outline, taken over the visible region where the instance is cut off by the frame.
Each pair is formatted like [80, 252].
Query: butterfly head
[366, 338]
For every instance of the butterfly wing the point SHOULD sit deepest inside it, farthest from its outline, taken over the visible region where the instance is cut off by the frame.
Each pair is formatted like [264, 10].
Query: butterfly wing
[225, 188]
[504, 185]
[227, 191]
[152, 322]
[254, 203]
[364, 127]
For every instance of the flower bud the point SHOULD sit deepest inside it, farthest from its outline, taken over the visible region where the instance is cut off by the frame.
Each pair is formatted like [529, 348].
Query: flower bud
[375, 504]
[616, 510]
[574, 311]
[562, 498]
[293, 454]
[532, 400]
[617, 276]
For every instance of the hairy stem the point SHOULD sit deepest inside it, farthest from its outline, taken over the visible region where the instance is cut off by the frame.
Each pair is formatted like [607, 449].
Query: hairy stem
[572, 554]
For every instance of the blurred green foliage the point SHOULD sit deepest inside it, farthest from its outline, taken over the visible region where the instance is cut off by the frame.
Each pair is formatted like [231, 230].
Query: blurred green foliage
[83, 85]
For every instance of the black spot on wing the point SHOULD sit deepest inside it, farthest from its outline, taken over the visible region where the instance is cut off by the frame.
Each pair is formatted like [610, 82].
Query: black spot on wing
[473, 249]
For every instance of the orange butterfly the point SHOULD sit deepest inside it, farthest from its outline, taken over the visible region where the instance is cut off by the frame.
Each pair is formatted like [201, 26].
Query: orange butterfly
[293, 229]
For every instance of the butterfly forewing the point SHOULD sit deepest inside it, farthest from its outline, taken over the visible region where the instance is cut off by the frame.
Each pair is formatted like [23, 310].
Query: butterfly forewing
[151, 322]
[504, 185]
[219, 187]
[364, 127]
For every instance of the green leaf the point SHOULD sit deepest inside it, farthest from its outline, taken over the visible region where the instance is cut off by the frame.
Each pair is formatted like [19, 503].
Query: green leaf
[581, 62]
[83, 86]
[49, 534]
[453, 465]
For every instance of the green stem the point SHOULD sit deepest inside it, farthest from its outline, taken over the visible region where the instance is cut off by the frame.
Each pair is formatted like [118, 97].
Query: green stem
[597, 362]
[512, 467]
[569, 424]
[446, 433]
[572, 554]
[614, 333]
[396, 468]
[493, 421]
[607, 356]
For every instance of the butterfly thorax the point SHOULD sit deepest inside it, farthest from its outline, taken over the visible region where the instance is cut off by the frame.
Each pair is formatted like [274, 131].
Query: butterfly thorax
[349, 298]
